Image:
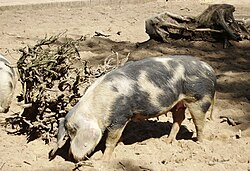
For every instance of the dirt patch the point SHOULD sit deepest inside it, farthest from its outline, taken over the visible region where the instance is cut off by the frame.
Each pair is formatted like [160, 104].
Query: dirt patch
[226, 147]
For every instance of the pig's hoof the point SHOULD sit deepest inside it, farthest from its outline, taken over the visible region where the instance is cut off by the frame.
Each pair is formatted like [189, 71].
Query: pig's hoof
[52, 154]
[169, 140]
[97, 155]
[198, 140]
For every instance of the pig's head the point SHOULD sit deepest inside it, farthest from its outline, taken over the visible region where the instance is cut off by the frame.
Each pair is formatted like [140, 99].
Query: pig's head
[85, 134]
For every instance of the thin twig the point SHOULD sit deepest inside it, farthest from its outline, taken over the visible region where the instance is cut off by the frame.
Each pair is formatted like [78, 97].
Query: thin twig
[123, 166]
[101, 34]
[2, 166]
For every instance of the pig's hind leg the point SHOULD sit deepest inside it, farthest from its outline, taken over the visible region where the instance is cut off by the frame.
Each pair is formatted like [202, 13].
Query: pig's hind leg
[198, 111]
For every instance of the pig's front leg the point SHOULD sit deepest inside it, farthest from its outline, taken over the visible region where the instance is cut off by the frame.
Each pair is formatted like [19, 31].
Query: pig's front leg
[114, 134]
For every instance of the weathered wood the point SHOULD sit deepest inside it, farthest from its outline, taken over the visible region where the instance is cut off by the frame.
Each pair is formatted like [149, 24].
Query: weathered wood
[216, 23]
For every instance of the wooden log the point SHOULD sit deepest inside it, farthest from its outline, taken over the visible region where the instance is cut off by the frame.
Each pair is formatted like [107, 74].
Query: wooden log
[216, 23]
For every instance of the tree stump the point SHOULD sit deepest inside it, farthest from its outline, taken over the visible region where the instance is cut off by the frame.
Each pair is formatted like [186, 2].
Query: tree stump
[216, 23]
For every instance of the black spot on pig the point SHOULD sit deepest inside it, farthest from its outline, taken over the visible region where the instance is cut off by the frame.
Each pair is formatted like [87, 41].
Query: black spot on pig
[141, 102]
[199, 88]
[126, 106]
[159, 76]
[205, 106]
[203, 84]
[121, 112]
[171, 95]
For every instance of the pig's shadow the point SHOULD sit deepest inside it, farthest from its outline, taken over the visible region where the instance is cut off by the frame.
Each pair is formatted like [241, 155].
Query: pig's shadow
[134, 132]
[143, 130]
[140, 131]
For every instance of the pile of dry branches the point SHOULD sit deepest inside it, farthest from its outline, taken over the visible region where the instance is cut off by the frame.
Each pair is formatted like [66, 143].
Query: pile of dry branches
[53, 78]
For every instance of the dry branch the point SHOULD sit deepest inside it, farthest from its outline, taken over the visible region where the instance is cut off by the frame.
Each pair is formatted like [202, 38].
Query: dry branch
[53, 78]
[229, 120]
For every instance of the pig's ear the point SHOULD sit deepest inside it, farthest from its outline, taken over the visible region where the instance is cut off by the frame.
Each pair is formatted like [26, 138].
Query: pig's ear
[61, 140]
[62, 133]
[85, 142]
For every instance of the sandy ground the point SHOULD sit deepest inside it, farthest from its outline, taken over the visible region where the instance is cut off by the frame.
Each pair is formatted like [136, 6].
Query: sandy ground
[225, 147]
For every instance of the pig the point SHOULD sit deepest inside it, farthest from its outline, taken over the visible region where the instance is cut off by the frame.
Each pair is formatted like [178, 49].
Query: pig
[7, 84]
[138, 90]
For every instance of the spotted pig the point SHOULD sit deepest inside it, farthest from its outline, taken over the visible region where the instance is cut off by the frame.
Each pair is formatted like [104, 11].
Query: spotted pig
[138, 90]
